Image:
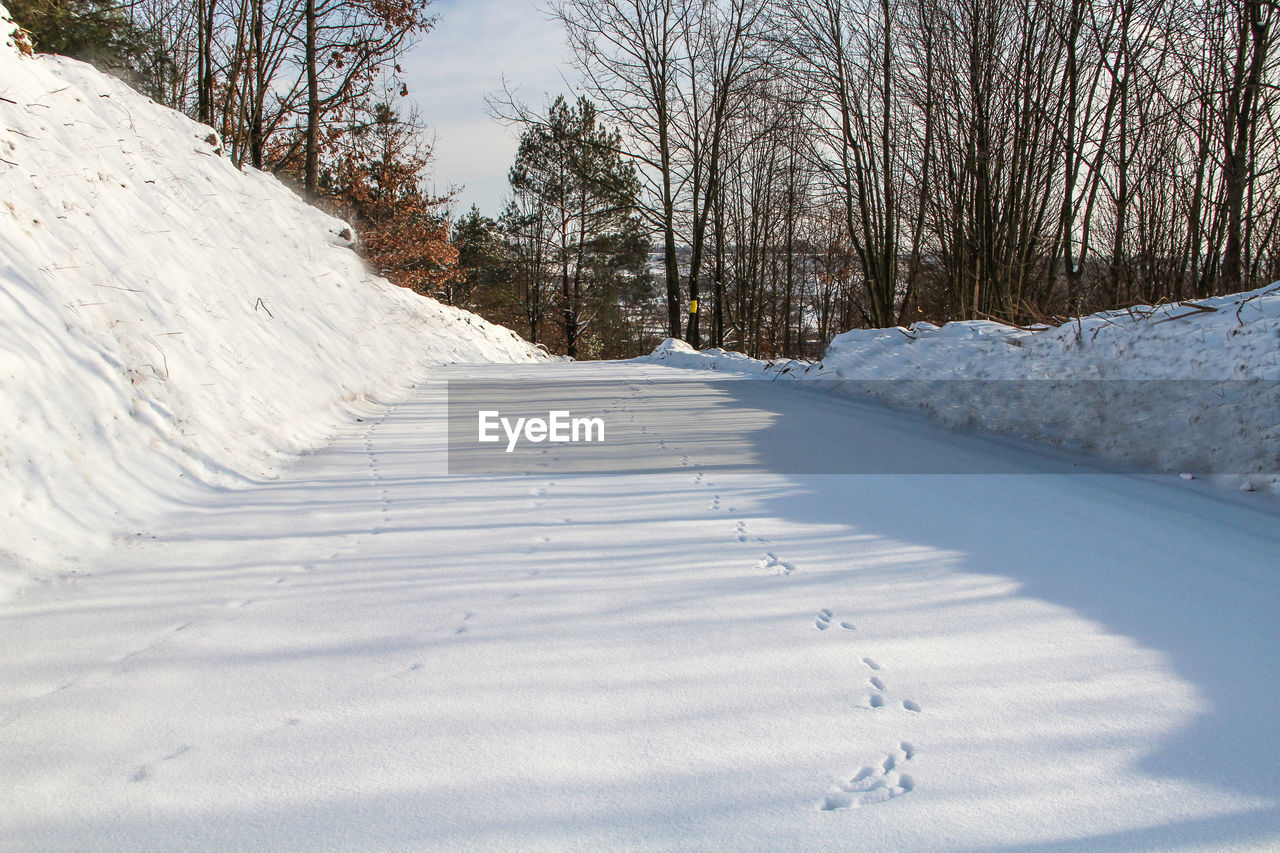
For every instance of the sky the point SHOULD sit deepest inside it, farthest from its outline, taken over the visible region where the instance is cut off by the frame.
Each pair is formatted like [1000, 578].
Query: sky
[475, 44]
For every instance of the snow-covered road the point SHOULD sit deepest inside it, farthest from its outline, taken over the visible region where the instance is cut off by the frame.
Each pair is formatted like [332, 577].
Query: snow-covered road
[372, 653]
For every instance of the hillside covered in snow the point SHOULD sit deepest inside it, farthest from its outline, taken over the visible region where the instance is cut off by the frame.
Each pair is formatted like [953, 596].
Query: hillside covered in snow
[168, 319]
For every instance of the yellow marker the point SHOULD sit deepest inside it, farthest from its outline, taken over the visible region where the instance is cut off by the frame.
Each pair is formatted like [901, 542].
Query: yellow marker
[693, 306]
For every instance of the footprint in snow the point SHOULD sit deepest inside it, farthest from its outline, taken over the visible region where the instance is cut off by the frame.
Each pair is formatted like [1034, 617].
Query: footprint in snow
[824, 621]
[873, 783]
[143, 772]
[877, 699]
[771, 562]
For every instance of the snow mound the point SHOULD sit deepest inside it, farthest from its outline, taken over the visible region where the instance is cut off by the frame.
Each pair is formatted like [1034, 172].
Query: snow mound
[167, 318]
[674, 352]
[1187, 387]
[1224, 338]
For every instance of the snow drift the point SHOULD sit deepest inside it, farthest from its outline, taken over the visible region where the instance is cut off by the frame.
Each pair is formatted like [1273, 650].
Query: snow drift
[167, 318]
[1188, 387]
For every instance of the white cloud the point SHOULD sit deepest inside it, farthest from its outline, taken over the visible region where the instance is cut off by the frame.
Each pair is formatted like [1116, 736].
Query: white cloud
[475, 45]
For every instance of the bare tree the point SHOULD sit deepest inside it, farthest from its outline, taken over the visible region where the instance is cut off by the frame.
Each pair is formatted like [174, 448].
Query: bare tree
[628, 54]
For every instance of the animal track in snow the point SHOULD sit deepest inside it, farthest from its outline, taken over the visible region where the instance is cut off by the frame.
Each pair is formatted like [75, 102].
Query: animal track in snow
[143, 772]
[771, 563]
[877, 699]
[823, 622]
[873, 783]
[462, 627]
[740, 530]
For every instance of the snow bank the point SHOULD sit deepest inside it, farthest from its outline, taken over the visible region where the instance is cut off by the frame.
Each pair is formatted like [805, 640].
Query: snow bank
[1224, 338]
[1182, 388]
[165, 318]
[674, 352]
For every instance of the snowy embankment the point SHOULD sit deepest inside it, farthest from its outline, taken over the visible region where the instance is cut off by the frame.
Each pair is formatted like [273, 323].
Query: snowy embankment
[166, 318]
[1190, 387]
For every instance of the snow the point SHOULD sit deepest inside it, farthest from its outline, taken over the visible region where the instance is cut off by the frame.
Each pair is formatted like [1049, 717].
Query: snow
[168, 318]
[674, 352]
[1190, 388]
[371, 653]
[303, 633]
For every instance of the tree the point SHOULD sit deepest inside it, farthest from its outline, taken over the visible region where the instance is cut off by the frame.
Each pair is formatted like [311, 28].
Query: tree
[1253, 42]
[484, 261]
[346, 43]
[718, 56]
[376, 181]
[96, 31]
[524, 228]
[628, 53]
[570, 173]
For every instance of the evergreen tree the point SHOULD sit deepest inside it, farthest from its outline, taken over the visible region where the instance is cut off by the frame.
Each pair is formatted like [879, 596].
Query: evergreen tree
[569, 171]
[484, 262]
[97, 32]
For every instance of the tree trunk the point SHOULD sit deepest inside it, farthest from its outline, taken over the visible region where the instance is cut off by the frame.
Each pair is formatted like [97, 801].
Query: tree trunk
[204, 61]
[1241, 115]
[311, 177]
[257, 102]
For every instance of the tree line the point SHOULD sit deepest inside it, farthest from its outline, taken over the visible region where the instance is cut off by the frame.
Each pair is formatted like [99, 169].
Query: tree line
[763, 174]
[808, 166]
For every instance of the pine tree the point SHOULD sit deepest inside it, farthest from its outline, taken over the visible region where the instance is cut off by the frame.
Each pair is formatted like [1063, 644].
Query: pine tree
[571, 171]
[484, 262]
[98, 32]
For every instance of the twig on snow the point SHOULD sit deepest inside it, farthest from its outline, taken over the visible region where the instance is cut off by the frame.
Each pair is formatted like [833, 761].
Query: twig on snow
[1196, 308]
